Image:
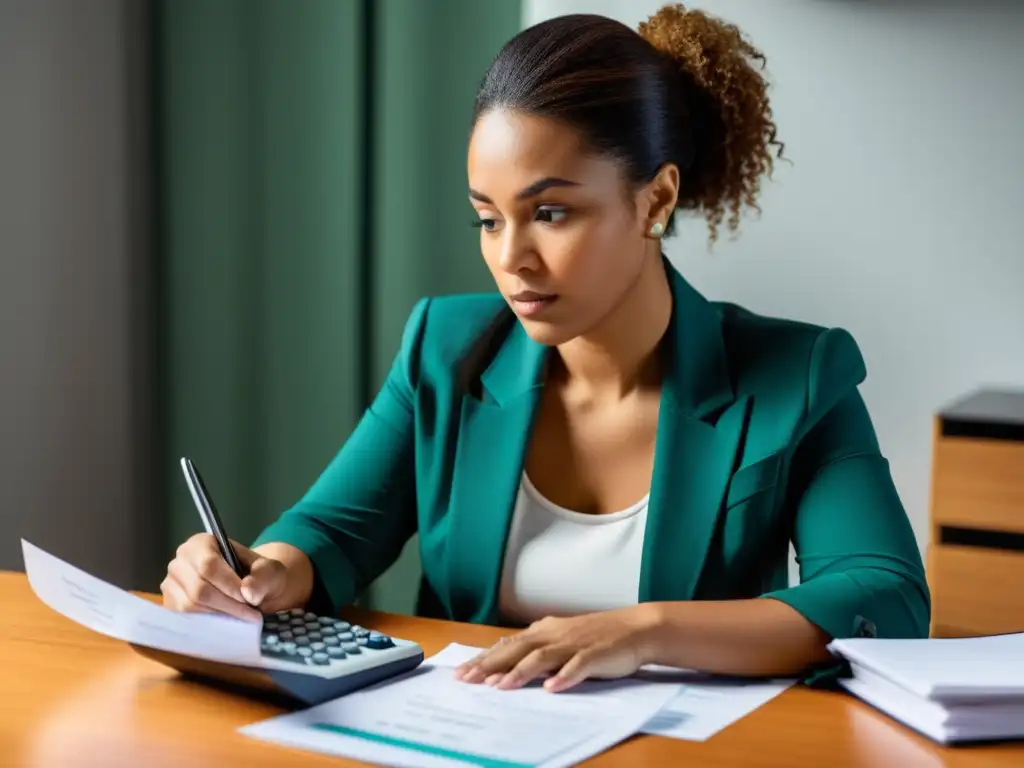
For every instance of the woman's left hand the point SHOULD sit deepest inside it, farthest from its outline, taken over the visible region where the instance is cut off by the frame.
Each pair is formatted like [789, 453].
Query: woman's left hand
[601, 645]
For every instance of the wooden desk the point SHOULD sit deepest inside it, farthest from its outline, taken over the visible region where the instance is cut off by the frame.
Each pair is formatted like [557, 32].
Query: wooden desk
[75, 698]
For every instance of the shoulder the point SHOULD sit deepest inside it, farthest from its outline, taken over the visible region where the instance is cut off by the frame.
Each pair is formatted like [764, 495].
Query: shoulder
[443, 330]
[797, 365]
[455, 321]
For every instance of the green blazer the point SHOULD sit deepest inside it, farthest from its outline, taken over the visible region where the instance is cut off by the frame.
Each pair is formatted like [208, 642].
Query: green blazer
[762, 439]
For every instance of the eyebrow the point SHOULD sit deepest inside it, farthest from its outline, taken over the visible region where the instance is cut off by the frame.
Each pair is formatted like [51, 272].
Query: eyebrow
[534, 189]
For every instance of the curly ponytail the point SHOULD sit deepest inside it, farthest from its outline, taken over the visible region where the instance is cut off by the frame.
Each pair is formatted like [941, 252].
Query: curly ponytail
[730, 117]
[683, 90]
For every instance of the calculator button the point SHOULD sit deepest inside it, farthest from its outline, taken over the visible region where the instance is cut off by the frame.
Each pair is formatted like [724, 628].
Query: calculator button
[378, 642]
[342, 626]
[326, 621]
[351, 648]
[360, 631]
[298, 630]
[289, 648]
[305, 651]
[317, 646]
[286, 635]
[314, 635]
[345, 636]
[296, 612]
[313, 626]
[283, 615]
[271, 639]
[302, 641]
[361, 641]
[335, 652]
[309, 616]
[328, 631]
[331, 640]
[321, 658]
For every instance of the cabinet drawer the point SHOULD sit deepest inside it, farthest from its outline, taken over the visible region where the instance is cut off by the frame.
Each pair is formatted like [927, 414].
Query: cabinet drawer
[975, 591]
[978, 484]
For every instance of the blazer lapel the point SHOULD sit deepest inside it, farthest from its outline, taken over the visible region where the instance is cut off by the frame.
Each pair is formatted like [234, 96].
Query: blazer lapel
[494, 432]
[701, 424]
[701, 427]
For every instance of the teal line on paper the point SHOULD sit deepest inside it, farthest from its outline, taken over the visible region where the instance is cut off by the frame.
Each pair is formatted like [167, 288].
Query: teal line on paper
[482, 762]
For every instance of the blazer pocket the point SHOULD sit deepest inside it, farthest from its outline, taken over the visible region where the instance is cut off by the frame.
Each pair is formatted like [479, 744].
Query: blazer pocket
[753, 479]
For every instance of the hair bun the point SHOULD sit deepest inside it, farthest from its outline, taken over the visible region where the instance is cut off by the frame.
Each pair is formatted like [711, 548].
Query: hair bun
[727, 95]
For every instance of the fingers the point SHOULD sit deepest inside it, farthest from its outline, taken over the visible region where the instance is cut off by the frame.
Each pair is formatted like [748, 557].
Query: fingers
[175, 598]
[565, 665]
[203, 556]
[515, 663]
[245, 555]
[199, 579]
[498, 659]
[200, 594]
[577, 669]
[540, 661]
[264, 583]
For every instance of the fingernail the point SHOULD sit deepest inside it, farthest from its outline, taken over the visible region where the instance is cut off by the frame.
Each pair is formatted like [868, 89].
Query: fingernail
[251, 595]
[506, 681]
[494, 679]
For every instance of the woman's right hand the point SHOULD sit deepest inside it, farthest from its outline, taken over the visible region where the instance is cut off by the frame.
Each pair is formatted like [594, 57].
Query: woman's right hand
[199, 579]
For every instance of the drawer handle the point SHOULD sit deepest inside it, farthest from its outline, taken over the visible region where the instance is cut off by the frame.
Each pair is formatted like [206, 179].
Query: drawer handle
[982, 539]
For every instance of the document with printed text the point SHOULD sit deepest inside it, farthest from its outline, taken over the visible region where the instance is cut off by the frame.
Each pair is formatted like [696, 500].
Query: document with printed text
[703, 706]
[428, 719]
[112, 611]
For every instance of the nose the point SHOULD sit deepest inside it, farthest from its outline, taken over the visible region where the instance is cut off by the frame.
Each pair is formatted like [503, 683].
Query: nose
[518, 251]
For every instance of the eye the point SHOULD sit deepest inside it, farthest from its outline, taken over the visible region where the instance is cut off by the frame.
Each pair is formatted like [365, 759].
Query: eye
[485, 223]
[551, 214]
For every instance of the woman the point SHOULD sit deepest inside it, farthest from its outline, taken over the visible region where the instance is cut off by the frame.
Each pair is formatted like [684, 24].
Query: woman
[596, 452]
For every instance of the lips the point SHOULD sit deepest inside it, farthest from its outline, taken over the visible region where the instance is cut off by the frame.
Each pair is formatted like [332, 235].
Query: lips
[530, 303]
[531, 296]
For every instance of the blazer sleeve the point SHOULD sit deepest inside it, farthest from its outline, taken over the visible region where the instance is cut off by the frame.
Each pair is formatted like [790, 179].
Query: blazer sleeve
[358, 515]
[860, 567]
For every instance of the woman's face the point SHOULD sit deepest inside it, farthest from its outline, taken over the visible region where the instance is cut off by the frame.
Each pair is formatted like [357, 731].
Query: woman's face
[562, 237]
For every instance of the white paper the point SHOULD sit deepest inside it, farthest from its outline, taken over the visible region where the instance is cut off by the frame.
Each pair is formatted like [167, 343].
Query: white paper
[945, 669]
[111, 611]
[703, 709]
[427, 718]
[704, 706]
[995, 720]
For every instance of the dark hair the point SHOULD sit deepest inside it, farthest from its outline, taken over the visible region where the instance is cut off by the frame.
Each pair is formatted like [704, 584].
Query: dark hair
[681, 90]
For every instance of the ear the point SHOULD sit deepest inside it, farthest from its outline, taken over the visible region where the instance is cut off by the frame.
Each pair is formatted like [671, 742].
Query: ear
[659, 199]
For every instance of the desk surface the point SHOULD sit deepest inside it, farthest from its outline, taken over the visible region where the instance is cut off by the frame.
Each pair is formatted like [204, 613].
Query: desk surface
[75, 698]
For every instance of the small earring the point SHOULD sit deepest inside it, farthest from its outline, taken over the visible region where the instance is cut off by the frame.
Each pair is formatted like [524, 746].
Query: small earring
[657, 228]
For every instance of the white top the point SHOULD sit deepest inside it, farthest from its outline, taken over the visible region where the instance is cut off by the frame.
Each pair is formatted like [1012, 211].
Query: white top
[559, 562]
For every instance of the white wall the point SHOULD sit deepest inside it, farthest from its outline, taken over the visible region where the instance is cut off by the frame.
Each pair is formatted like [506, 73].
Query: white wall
[900, 218]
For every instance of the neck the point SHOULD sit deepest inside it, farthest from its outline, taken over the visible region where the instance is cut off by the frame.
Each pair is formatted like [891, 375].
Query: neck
[619, 356]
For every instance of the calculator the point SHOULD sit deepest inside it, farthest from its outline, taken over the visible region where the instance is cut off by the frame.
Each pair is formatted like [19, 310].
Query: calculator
[305, 659]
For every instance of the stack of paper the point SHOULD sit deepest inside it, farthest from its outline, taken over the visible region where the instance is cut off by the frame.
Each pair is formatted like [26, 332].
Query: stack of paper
[951, 690]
